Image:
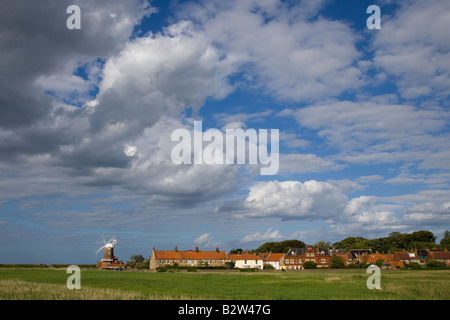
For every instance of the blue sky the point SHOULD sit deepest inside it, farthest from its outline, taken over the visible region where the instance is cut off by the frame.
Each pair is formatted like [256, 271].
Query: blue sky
[87, 118]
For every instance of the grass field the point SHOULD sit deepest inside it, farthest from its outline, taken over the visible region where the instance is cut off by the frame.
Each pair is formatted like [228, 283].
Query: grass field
[46, 284]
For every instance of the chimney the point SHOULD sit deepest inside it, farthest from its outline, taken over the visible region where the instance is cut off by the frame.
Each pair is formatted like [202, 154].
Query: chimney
[196, 249]
[176, 249]
[217, 249]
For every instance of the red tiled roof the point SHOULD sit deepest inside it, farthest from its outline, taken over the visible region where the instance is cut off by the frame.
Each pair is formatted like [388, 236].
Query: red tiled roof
[440, 254]
[190, 255]
[244, 256]
[274, 257]
[402, 255]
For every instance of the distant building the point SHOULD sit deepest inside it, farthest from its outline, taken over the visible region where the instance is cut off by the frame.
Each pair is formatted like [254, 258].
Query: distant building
[274, 259]
[296, 258]
[441, 255]
[188, 258]
[246, 261]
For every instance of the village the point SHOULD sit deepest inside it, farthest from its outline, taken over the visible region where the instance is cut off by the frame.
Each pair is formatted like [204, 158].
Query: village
[298, 258]
[311, 257]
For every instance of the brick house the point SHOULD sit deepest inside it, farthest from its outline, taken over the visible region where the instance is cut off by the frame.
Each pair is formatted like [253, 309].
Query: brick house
[390, 260]
[295, 258]
[187, 258]
[441, 255]
[409, 256]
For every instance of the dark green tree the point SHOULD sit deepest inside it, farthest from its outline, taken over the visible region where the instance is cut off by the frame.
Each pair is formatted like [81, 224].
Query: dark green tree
[445, 241]
[336, 262]
[280, 247]
[423, 236]
[134, 259]
[351, 242]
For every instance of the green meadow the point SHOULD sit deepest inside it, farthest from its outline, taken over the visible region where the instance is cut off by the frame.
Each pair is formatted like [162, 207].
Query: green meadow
[48, 284]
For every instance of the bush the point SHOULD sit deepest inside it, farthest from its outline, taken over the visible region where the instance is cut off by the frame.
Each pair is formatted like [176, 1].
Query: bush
[310, 265]
[436, 264]
[142, 265]
[337, 262]
[413, 265]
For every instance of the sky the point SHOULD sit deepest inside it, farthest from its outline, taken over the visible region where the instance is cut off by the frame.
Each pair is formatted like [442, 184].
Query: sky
[87, 117]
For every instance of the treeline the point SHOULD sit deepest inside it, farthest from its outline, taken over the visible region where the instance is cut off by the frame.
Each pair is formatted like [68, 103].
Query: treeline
[395, 241]
[282, 246]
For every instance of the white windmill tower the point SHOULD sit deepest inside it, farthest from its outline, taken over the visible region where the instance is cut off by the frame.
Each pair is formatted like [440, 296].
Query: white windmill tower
[109, 261]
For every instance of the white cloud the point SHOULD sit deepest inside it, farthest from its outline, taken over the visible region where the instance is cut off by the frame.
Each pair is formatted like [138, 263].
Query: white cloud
[363, 133]
[294, 200]
[159, 75]
[269, 235]
[413, 47]
[279, 49]
[206, 241]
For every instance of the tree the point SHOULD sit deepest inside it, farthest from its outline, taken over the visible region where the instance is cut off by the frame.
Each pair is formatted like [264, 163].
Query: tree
[445, 242]
[423, 236]
[134, 259]
[323, 244]
[336, 262]
[351, 242]
[446, 234]
[281, 247]
[379, 262]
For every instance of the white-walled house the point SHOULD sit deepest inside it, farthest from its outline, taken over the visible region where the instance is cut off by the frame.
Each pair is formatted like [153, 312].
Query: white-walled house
[274, 259]
[246, 261]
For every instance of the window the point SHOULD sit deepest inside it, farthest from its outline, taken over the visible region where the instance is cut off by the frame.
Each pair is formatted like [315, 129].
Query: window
[292, 260]
[287, 261]
[300, 261]
[322, 260]
[307, 254]
[245, 261]
[312, 254]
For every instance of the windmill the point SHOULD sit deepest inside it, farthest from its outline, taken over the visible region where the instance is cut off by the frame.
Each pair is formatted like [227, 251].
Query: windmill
[109, 261]
[109, 249]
